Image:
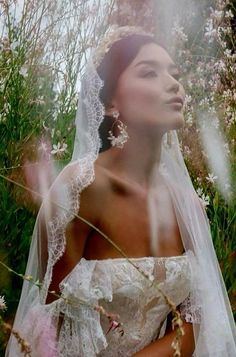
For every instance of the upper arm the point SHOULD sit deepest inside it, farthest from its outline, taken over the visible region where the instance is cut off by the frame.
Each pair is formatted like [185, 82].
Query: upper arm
[76, 231]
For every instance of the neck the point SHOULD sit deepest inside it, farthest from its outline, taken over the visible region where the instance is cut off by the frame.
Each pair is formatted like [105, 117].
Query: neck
[135, 161]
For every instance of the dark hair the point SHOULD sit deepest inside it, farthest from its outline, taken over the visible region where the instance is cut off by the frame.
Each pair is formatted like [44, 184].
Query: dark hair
[115, 61]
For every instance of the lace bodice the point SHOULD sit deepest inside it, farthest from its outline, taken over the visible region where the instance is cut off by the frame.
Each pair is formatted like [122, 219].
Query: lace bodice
[121, 289]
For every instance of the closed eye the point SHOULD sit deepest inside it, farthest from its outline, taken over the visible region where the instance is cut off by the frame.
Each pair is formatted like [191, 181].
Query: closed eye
[150, 74]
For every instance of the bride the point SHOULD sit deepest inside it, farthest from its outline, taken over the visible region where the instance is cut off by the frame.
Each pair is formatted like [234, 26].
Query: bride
[121, 240]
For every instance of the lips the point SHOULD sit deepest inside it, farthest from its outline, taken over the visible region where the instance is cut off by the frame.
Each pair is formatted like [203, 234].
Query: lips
[176, 100]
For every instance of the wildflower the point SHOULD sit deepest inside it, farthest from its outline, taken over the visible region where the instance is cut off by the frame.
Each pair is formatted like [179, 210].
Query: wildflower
[220, 66]
[217, 14]
[3, 305]
[204, 199]
[229, 14]
[59, 148]
[189, 118]
[199, 191]
[227, 52]
[178, 32]
[210, 32]
[24, 71]
[44, 146]
[188, 99]
[211, 178]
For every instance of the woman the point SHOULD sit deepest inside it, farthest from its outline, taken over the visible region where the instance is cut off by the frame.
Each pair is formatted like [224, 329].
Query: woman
[127, 183]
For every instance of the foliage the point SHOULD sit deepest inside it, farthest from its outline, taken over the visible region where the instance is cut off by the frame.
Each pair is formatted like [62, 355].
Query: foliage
[43, 50]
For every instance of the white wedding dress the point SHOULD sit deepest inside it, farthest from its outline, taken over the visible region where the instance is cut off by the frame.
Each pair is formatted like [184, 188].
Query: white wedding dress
[120, 288]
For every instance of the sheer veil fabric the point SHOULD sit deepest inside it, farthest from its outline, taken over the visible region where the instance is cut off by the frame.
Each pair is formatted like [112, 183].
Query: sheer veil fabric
[208, 305]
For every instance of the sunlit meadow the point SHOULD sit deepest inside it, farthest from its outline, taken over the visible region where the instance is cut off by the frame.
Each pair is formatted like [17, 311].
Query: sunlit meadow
[44, 46]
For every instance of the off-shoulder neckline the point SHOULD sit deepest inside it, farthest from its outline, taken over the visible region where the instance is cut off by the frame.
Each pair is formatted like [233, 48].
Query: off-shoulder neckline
[136, 259]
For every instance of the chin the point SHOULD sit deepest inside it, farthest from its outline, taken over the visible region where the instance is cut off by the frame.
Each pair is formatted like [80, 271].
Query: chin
[178, 125]
[174, 125]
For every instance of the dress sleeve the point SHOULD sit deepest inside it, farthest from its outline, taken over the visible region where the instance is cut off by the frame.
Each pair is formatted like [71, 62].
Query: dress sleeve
[189, 311]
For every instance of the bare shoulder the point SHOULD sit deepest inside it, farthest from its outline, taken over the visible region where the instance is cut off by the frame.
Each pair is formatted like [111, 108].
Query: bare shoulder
[83, 223]
[89, 181]
[74, 170]
[97, 185]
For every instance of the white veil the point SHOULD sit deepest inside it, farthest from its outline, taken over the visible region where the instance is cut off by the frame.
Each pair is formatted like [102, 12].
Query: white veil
[208, 306]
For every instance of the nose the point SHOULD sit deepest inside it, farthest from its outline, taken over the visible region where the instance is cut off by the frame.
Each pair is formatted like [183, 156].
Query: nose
[173, 85]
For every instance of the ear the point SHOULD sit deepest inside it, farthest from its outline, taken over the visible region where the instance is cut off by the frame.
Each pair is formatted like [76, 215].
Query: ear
[110, 109]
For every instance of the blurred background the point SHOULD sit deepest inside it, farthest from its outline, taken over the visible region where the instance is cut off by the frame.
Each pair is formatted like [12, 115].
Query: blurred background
[44, 46]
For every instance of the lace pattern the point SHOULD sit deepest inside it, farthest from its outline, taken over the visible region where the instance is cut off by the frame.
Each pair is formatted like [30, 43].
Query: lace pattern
[189, 311]
[57, 226]
[92, 109]
[119, 288]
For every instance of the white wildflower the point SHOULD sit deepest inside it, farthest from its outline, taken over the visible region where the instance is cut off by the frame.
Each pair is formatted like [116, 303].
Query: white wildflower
[205, 199]
[227, 94]
[3, 305]
[227, 53]
[59, 148]
[189, 117]
[204, 102]
[218, 14]
[24, 71]
[212, 110]
[211, 178]
[188, 99]
[229, 14]
[210, 32]
[221, 32]
[178, 32]
[199, 191]
[220, 65]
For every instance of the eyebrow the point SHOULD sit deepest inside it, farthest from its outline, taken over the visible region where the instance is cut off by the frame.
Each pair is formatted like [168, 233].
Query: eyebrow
[156, 64]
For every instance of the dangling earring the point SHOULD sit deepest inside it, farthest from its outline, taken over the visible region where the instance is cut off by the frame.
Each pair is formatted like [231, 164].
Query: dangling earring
[121, 139]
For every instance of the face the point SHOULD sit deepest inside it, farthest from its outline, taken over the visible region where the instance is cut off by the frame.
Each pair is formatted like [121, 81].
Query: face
[148, 93]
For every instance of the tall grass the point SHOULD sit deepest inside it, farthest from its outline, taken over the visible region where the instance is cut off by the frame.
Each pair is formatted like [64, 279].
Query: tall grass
[44, 48]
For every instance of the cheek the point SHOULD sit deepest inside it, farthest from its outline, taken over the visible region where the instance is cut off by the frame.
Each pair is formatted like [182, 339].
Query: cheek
[138, 98]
